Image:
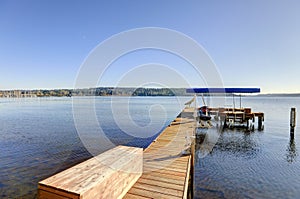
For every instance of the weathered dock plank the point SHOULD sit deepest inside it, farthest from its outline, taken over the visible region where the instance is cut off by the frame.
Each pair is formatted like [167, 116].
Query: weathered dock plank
[165, 171]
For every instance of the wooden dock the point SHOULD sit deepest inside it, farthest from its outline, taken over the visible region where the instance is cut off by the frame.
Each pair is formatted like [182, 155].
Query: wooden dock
[165, 171]
[160, 171]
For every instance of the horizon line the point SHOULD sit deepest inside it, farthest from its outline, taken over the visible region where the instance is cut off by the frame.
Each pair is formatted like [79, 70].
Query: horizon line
[32, 89]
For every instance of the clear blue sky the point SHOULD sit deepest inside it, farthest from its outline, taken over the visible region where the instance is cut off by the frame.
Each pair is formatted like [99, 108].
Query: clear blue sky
[252, 42]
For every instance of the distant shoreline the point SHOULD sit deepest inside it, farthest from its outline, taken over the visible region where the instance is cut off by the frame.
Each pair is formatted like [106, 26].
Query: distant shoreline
[111, 91]
[99, 91]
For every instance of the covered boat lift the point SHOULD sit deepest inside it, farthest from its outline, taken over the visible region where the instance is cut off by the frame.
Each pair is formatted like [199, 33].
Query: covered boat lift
[233, 117]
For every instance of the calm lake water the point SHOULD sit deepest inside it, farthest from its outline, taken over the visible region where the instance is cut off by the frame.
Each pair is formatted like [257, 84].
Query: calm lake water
[260, 164]
[38, 137]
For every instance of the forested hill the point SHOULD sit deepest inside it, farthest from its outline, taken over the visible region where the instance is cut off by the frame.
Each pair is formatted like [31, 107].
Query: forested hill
[100, 91]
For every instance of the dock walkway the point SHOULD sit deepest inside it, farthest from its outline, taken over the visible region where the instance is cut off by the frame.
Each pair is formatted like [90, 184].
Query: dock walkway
[165, 171]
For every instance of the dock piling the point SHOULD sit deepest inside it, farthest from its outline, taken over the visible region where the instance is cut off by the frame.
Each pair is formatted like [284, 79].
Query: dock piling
[260, 121]
[292, 121]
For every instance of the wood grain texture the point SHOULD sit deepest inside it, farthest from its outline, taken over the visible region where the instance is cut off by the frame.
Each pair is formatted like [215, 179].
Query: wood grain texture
[165, 171]
[108, 175]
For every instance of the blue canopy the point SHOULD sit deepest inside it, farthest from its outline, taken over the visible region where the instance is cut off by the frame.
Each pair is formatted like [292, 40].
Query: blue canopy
[223, 90]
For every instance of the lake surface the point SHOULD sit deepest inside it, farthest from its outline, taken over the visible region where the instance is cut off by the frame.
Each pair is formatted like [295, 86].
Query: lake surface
[40, 137]
[259, 164]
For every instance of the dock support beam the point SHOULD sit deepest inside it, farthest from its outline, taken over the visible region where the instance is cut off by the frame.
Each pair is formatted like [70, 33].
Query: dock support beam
[292, 121]
[193, 145]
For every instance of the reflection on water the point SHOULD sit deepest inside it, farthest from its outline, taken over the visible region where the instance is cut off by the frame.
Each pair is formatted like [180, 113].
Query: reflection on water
[246, 165]
[241, 144]
[291, 150]
[205, 141]
[234, 142]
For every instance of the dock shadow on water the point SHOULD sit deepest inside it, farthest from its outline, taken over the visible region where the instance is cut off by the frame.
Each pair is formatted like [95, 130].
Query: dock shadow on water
[245, 165]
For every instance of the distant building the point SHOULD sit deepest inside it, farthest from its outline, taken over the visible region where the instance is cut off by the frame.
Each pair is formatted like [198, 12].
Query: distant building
[17, 94]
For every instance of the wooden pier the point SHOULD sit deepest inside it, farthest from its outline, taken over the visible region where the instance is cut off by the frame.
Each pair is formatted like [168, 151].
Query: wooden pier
[165, 171]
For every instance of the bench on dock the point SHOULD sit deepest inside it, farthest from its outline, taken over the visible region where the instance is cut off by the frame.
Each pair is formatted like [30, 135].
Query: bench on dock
[108, 175]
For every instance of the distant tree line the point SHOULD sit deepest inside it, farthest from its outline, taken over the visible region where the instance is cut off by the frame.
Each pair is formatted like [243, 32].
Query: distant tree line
[99, 91]
[108, 91]
[153, 92]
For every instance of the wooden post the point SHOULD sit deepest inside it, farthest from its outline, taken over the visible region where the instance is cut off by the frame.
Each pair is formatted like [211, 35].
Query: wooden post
[293, 121]
[260, 119]
[195, 100]
[233, 102]
[224, 122]
[240, 101]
